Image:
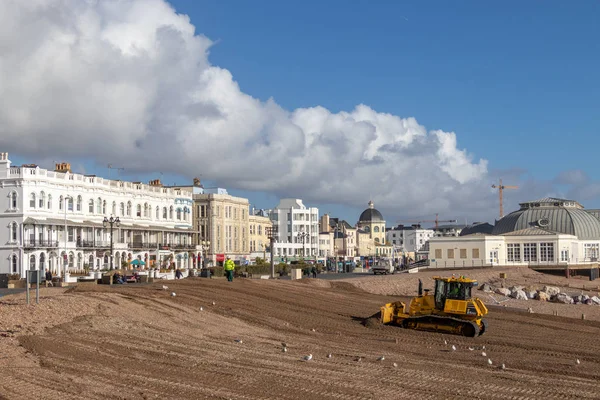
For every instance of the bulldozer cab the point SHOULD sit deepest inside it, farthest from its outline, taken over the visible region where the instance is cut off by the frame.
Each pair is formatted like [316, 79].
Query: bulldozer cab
[452, 289]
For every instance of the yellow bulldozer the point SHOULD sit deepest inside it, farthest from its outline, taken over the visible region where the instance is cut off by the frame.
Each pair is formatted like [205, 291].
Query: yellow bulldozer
[451, 309]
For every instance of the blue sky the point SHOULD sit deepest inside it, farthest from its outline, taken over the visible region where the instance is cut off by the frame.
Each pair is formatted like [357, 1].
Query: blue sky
[517, 81]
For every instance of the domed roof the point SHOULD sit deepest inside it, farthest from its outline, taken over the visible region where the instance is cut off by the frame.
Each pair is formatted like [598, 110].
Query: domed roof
[551, 214]
[371, 214]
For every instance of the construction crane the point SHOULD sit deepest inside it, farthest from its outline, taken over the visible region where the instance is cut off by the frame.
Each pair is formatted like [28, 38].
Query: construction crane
[119, 169]
[436, 220]
[501, 188]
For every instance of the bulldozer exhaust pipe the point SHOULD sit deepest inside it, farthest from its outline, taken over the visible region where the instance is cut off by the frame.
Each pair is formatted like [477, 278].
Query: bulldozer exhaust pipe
[420, 288]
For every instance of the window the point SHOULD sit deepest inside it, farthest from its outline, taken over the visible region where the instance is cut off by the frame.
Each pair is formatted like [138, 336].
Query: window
[138, 210]
[99, 206]
[91, 206]
[171, 212]
[438, 253]
[49, 202]
[79, 203]
[450, 253]
[42, 200]
[157, 212]
[564, 255]
[122, 209]
[146, 210]
[179, 214]
[32, 262]
[60, 203]
[463, 253]
[164, 212]
[14, 264]
[513, 252]
[376, 229]
[104, 207]
[32, 200]
[529, 252]
[114, 208]
[71, 234]
[14, 232]
[43, 261]
[590, 250]
[546, 252]
[79, 260]
[13, 201]
[70, 203]
[129, 209]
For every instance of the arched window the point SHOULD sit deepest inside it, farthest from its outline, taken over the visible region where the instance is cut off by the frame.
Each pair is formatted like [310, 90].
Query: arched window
[71, 259]
[12, 201]
[157, 212]
[99, 206]
[122, 209]
[43, 261]
[42, 200]
[171, 212]
[129, 209]
[376, 229]
[79, 203]
[179, 214]
[91, 206]
[104, 207]
[14, 232]
[79, 260]
[60, 203]
[49, 202]
[91, 261]
[146, 210]
[164, 212]
[14, 264]
[138, 210]
[32, 262]
[32, 200]
[70, 203]
[114, 208]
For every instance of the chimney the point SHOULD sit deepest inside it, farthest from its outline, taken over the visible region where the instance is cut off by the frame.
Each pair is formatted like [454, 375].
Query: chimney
[4, 157]
[62, 167]
[155, 182]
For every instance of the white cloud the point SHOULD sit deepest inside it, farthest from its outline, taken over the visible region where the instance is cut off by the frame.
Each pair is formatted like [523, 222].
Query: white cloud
[132, 79]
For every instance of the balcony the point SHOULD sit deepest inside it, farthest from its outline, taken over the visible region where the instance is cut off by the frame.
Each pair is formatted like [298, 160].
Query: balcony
[91, 244]
[144, 245]
[40, 243]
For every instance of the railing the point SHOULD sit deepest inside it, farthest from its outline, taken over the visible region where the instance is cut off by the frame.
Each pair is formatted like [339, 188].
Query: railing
[144, 245]
[40, 243]
[92, 243]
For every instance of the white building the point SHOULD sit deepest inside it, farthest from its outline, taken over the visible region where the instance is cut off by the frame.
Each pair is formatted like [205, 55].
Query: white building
[297, 228]
[547, 232]
[39, 204]
[326, 246]
[408, 239]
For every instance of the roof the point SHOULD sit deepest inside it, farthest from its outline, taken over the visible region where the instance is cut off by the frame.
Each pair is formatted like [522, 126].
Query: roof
[371, 214]
[567, 218]
[477, 228]
[531, 232]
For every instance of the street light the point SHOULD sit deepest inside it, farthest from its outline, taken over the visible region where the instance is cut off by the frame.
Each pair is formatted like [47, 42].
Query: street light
[112, 222]
[205, 248]
[66, 258]
[303, 236]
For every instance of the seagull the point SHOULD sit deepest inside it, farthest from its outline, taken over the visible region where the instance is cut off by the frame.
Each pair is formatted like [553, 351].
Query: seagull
[489, 361]
[577, 361]
[308, 357]
[483, 347]
[503, 367]
[395, 365]
[453, 348]
[165, 287]
[239, 340]
[471, 349]
[173, 294]
[359, 359]
[201, 308]
[329, 355]
[284, 350]
[445, 342]
[284, 344]
[381, 358]
[483, 353]
[313, 329]
[214, 304]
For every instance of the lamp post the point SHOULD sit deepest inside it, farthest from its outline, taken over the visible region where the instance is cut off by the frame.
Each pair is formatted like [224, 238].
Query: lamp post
[66, 258]
[272, 232]
[303, 236]
[205, 248]
[111, 222]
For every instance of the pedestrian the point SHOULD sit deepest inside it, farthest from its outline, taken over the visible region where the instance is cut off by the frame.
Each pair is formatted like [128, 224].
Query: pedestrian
[314, 271]
[178, 274]
[49, 278]
[229, 267]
